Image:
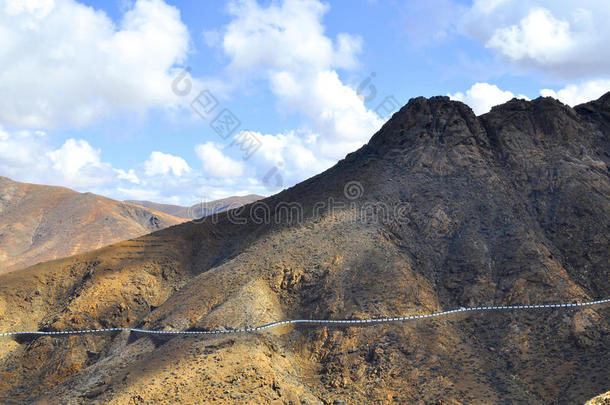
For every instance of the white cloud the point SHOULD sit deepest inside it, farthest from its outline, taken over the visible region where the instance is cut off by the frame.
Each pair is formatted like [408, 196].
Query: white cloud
[557, 37]
[67, 64]
[482, 96]
[28, 156]
[73, 156]
[130, 175]
[215, 163]
[290, 154]
[575, 94]
[538, 37]
[79, 164]
[160, 163]
[23, 152]
[285, 36]
[334, 111]
[285, 44]
[94, 68]
[38, 8]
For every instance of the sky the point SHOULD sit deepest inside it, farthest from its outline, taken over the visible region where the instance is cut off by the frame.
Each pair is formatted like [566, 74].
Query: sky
[187, 101]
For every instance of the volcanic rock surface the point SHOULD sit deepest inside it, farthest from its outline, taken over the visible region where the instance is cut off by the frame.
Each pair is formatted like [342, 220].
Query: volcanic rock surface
[441, 209]
[41, 223]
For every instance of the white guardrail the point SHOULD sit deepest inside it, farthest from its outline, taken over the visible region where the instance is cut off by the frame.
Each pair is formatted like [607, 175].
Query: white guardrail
[337, 322]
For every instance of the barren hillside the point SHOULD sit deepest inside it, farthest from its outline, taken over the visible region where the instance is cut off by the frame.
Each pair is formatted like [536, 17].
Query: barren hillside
[441, 209]
[41, 223]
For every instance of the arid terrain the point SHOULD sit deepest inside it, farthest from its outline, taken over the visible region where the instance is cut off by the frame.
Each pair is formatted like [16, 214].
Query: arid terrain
[41, 223]
[602, 399]
[202, 209]
[441, 209]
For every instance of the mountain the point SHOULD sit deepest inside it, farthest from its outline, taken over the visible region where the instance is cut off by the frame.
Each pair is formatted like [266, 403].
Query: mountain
[41, 223]
[441, 209]
[602, 399]
[202, 209]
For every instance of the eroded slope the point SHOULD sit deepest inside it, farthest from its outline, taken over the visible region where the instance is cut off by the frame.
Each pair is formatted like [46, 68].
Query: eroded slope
[453, 210]
[41, 223]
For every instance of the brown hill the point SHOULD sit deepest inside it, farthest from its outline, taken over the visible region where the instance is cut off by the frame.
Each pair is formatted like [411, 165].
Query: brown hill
[41, 223]
[450, 210]
[202, 209]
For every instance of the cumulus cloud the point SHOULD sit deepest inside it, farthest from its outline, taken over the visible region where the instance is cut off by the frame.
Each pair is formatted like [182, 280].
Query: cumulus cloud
[68, 64]
[129, 175]
[215, 163]
[79, 164]
[482, 96]
[285, 36]
[20, 152]
[557, 37]
[160, 163]
[79, 66]
[575, 94]
[334, 111]
[29, 156]
[285, 44]
[290, 154]
[538, 37]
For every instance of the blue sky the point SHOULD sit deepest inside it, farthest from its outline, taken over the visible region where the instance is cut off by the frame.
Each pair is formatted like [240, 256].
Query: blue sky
[88, 101]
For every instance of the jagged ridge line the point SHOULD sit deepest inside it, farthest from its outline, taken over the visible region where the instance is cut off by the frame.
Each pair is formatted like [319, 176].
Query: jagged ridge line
[312, 321]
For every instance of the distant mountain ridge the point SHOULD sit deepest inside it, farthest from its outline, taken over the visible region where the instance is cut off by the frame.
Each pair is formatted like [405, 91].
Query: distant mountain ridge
[202, 209]
[40, 223]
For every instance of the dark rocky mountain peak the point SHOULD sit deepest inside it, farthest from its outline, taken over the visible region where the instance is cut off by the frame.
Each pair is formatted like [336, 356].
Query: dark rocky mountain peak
[422, 121]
